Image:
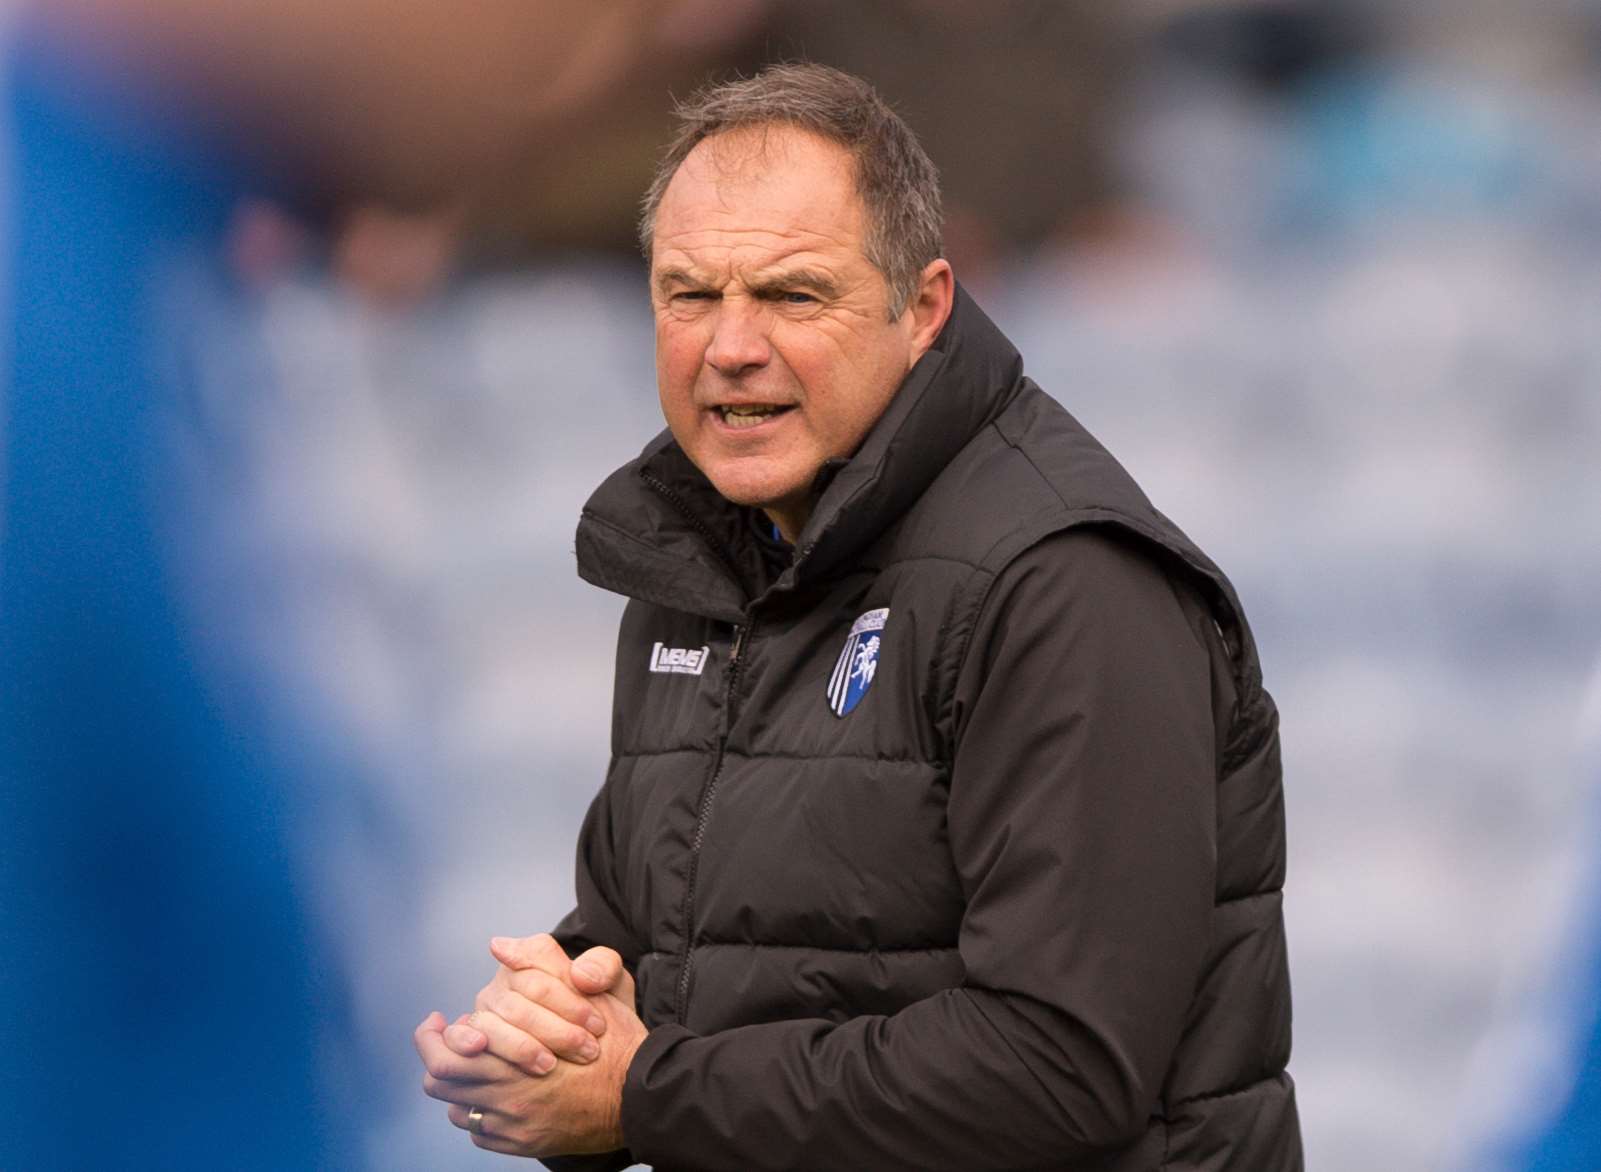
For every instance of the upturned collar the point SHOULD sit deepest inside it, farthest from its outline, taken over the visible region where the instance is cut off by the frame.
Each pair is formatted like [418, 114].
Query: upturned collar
[657, 530]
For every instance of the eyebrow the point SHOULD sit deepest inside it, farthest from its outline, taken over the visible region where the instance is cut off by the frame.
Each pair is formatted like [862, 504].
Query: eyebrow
[678, 276]
[813, 279]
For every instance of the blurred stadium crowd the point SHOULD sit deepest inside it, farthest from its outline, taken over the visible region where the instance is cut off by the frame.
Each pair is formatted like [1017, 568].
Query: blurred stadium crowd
[326, 320]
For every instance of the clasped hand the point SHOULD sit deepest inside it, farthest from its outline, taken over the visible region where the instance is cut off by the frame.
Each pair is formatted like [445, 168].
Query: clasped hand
[544, 1053]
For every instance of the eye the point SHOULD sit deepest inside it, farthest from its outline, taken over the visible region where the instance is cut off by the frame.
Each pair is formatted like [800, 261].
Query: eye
[796, 297]
[692, 295]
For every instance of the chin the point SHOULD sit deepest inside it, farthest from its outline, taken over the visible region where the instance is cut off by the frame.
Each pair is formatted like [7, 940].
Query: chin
[756, 497]
[757, 491]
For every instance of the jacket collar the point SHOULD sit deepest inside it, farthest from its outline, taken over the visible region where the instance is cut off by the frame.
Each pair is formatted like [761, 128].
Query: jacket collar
[658, 531]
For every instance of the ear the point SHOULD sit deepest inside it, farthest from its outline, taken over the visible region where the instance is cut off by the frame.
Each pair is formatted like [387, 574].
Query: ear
[930, 307]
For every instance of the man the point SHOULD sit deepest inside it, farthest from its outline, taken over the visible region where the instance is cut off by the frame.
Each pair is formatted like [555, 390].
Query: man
[944, 825]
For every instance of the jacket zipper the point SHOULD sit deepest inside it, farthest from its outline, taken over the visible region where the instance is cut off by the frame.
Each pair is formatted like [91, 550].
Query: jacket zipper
[702, 817]
[695, 523]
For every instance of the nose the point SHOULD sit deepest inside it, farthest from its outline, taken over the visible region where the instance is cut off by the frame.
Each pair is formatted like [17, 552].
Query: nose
[739, 338]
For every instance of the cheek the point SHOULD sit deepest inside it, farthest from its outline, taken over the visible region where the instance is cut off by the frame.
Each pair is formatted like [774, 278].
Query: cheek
[850, 376]
[855, 399]
[679, 355]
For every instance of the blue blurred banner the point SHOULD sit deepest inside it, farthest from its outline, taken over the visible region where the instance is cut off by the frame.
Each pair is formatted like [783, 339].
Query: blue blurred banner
[164, 993]
[1571, 1140]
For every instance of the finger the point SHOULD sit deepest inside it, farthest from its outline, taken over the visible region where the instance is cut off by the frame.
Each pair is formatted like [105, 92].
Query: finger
[516, 1047]
[457, 1113]
[461, 1036]
[553, 1032]
[528, 952]
[597, 970]
[623, 990]
[431, 1026]
[450, 1091]
[504, 1146]
[488, 1136]
[491, 1074]
[444, 1064]
[554, 994]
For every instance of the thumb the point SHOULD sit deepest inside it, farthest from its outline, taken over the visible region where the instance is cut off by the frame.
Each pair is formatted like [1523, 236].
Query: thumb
[597, 971]
[530, 952]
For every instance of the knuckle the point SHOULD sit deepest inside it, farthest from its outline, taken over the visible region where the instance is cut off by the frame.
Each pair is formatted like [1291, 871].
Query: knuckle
[522, 1132]
[442, 1067]
[508, 1007]
[529, 1052]
[533, 983]
[517, 1046]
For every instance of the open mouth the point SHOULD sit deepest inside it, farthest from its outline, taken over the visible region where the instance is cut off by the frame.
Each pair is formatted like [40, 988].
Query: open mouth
[750, 414]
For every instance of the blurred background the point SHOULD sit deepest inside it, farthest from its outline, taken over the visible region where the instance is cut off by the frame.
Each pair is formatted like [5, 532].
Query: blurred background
[323, 321]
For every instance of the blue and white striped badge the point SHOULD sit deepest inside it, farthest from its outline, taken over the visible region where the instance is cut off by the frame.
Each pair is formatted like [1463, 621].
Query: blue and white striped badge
[858, 662]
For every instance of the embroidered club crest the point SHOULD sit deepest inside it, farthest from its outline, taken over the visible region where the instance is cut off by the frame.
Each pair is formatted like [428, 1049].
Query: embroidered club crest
[858, 662]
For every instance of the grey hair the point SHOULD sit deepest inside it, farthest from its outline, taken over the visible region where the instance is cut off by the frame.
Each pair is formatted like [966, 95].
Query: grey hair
[895, 179]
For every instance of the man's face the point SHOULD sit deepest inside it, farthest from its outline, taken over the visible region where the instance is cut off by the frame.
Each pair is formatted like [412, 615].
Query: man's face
[774, 348]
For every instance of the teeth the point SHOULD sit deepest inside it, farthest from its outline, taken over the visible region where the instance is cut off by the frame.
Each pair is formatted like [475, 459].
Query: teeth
[748, 415]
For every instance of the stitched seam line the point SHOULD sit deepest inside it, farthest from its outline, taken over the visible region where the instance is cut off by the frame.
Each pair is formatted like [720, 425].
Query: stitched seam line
[631, 538]
[815, 757]
[637, 753]
[864, 952]
[1247, 898]
[809, 758]
[1233, 1093]
[912, 560]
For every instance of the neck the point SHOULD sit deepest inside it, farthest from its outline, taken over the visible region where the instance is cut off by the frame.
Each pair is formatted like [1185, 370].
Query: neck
[790, 521]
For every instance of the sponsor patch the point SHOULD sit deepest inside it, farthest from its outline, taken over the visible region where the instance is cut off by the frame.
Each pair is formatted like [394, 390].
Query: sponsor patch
[687, 661]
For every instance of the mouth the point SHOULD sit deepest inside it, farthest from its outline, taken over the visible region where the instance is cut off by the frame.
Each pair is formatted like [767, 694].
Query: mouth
[741, 416]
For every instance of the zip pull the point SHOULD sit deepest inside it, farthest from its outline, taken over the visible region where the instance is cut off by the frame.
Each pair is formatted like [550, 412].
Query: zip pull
[739, 643]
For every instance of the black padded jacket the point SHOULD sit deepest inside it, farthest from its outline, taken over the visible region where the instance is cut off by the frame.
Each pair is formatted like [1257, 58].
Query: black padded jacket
[1019, 907]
